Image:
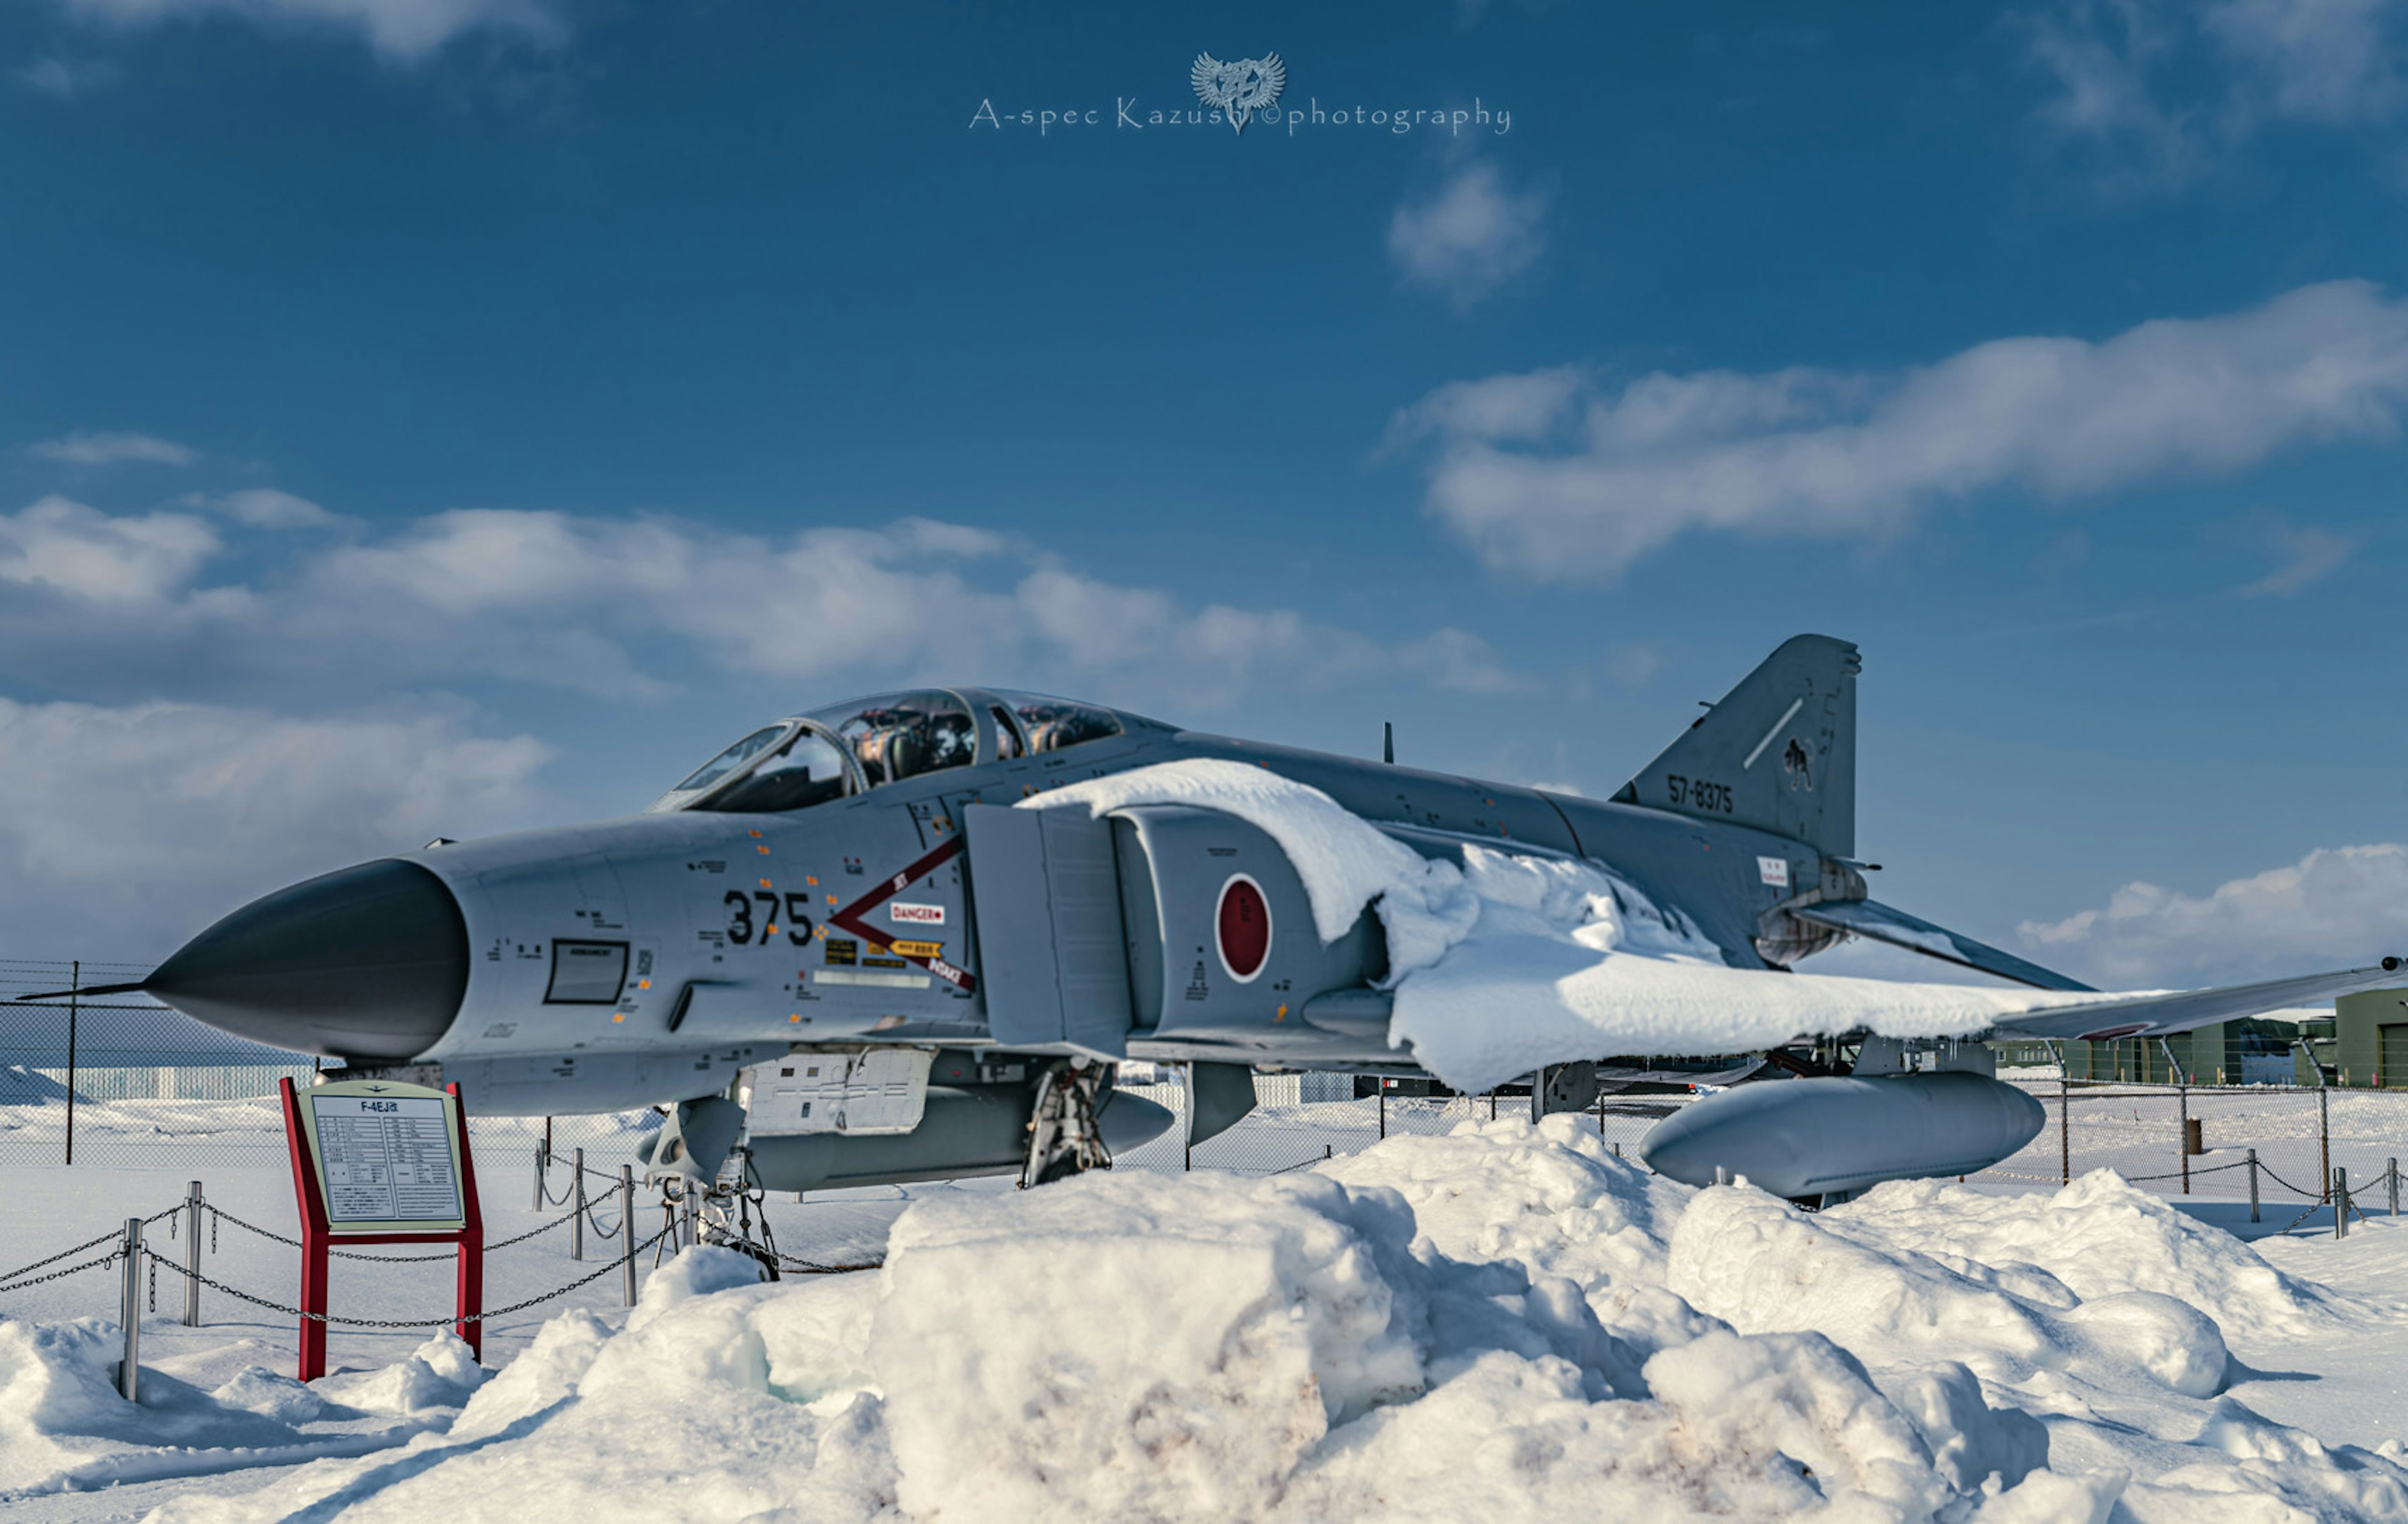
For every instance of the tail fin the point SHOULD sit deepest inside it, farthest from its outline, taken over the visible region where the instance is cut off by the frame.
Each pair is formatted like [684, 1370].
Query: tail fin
[1779, 752]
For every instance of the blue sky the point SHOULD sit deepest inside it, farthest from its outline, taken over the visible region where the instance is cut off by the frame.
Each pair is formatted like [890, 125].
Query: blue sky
[428, 415]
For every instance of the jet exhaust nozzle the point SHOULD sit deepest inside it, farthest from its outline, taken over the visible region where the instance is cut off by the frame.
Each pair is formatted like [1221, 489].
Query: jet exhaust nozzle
[1817, 1137]
[369, 962]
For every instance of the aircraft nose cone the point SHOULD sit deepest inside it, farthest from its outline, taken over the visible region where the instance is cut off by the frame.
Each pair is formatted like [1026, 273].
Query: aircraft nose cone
[369, 962]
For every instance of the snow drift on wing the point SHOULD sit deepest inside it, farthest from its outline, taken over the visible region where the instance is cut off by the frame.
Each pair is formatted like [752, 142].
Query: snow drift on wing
[1515, 960]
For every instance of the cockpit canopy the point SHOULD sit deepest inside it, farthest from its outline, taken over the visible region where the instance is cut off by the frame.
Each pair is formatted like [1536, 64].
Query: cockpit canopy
[810, 759]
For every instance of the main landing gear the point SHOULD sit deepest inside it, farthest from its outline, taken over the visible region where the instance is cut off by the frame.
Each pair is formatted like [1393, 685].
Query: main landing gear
[1063, 1137]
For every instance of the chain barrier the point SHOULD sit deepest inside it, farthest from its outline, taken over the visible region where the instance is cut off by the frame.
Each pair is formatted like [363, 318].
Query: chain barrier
[103, 1261]
[610, 1268]
[812, 1267]
[381, 1259]
[2177, 1174]
[88, 1244]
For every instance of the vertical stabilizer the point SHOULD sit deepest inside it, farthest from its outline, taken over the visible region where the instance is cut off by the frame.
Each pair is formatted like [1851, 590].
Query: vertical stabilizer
[1779, 752]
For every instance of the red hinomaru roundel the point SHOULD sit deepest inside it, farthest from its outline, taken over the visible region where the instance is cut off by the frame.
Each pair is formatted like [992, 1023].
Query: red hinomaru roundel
[1243, 925]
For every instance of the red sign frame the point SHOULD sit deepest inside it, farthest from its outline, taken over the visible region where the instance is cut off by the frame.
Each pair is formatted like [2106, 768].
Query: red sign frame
[318, 1236]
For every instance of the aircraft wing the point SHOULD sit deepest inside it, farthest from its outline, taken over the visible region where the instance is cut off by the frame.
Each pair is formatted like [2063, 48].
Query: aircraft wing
[2158, 1016]
[1881, 923]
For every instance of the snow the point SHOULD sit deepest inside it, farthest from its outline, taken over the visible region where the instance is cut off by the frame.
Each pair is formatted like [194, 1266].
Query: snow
[1345, 861]
[1515, 960]
[1502, 1322]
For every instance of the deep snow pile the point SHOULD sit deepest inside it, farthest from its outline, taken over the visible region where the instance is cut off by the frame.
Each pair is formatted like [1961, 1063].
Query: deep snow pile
[1514, 960]
[1503, 1323]
[63, 1426]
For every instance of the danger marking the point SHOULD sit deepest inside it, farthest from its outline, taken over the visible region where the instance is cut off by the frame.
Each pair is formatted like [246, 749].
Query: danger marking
[904, 912]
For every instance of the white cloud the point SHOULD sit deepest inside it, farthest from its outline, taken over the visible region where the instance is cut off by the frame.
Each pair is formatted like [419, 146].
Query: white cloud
[2309, 555]
[1555, 475]
[2163, 89]
[79, 550]
[2335, 62]
[2342, 907]
[263, 508]
[140, 825]
[1470, 236]
[88, 448]
[63, 79]
[401, 30]
[604, 606]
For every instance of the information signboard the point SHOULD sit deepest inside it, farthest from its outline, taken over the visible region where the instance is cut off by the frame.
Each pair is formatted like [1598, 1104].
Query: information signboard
[388, 1157]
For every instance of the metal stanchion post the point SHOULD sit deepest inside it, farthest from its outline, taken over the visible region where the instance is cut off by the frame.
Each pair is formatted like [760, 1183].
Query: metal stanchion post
[75, 983]
[129, 1372]
[691, 1215]
[2324, 1131]
[2341, 1201]
[576, 1204]
[2183, 1142]
[543, 1163]
[2252, 1185]
[192, 1255]
[627, 1231]
[2064, 1132]
[2391, 1178]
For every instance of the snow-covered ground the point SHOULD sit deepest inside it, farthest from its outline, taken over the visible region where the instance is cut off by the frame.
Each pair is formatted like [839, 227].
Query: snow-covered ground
[1503, 1322]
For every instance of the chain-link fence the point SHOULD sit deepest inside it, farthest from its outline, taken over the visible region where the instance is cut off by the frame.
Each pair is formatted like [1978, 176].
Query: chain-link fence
[2200, 1140]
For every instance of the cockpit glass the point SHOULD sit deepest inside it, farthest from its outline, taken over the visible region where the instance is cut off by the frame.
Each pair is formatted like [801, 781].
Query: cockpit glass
[1054, 723]
[901, 735]
[804, 772]
[732, 758]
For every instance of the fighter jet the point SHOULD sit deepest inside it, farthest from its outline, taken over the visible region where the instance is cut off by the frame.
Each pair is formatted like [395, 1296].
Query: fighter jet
[837, 952]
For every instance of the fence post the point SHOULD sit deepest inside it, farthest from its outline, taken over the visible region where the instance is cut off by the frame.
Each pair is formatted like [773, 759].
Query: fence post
[2252, 1185]
[192, 1255]
[2341, 1202]
[577, 1203]
[627, 1231]
[2391, 1172]
[2064, 1131]
[75, 983]
[2183, 1142]
[1383, 1107]
[2324, 1133]
[129, 1372]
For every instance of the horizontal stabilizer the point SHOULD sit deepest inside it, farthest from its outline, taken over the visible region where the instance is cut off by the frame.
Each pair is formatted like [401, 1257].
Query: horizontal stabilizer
[2160, 1016]
[1881, 923]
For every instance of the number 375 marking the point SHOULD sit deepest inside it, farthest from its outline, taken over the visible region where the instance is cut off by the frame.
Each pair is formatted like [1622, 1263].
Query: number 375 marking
[740, 929]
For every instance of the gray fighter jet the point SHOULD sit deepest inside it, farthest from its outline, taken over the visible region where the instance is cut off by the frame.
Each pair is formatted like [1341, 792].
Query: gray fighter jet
[841, 956]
